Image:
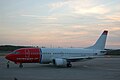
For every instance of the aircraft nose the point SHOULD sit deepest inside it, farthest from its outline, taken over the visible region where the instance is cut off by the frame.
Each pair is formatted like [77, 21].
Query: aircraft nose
[8, 57]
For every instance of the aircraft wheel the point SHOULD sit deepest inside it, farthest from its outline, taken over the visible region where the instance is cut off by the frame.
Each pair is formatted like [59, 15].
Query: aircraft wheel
[8, 64]
[21, 66]
[69, 65]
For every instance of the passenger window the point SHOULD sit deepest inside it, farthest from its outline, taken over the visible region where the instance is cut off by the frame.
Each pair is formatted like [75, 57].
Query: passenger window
[95, 53]
[103, 51]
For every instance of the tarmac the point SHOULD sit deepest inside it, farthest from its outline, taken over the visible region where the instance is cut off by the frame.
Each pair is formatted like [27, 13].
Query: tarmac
[95, 69]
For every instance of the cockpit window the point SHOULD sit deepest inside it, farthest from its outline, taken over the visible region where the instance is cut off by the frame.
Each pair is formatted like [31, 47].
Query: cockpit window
[14, 52]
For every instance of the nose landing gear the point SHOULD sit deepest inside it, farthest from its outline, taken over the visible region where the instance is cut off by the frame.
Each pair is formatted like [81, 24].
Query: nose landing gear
[20, 66]
[8, 64]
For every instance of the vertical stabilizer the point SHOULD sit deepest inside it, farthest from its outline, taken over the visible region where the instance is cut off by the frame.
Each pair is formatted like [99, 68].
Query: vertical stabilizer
[100, 43]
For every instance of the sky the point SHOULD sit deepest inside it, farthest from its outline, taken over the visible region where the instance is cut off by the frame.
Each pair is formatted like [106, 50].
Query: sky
[59, 23]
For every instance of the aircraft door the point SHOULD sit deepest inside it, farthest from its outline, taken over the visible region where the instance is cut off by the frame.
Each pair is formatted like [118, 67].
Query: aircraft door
[27, 53]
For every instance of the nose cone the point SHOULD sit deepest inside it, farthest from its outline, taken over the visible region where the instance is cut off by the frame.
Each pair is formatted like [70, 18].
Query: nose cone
[8, 56]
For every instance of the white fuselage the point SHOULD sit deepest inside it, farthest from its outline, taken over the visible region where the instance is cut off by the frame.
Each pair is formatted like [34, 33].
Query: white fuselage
[48, 54]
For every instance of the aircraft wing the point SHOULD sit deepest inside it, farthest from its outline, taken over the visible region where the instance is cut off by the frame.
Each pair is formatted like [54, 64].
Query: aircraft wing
[75, 59]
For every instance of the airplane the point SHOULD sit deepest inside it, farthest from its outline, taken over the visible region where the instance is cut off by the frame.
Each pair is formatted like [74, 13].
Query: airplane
[58, 56]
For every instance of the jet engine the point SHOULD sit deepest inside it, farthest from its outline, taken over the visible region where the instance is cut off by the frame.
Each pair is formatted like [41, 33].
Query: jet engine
[60, 62]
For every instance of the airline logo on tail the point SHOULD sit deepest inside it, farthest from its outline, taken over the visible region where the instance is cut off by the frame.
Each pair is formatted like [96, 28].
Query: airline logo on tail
[100, 43]
[105, 32]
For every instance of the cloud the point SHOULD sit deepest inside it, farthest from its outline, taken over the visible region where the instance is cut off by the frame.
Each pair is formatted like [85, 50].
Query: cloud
[113, 17]
[80, 6]
[92, 10]
[39, 17]
[57, 5]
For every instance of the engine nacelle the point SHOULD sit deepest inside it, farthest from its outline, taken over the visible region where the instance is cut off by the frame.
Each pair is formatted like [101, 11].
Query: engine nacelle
[60, 62]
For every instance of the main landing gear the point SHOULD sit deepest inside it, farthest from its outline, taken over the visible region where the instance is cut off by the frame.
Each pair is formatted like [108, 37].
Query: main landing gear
[20, 66]
[69, 64]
